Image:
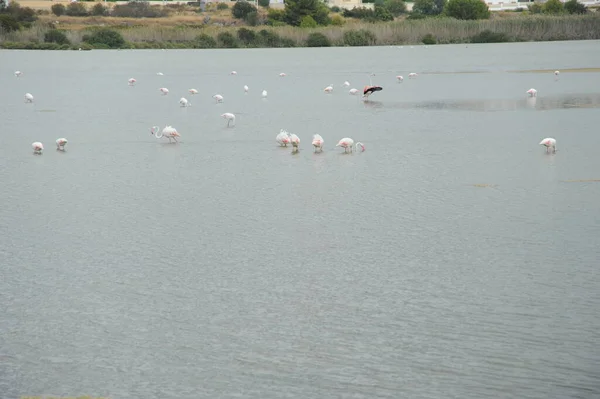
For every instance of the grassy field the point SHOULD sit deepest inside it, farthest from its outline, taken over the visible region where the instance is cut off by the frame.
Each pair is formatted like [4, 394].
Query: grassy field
[183, 25]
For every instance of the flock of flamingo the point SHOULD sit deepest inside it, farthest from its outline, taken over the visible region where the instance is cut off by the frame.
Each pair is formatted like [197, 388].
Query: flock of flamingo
[283, 138]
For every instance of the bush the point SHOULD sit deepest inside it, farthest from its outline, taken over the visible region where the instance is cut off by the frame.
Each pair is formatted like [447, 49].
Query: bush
[468, 9]
[24, 16]
[575, 7]
[56, 36]
[227, 40]
[241, 9]
[76, 10]
[264, 3]
[204, 41]
[308, 22]
[360, 37]
[99, 10]
[246, 36]
[8, 23]
[335, 9]
[316, 39]
[138, 9]
[105, 37]
[222, 6]
[252, 18]
[553, 7]
[428, 7]
[395, 7]
[382, 14]
[535, 8]
[429, 39]
[488, 36]
[337, 20]
[58, 9]
[269, 38]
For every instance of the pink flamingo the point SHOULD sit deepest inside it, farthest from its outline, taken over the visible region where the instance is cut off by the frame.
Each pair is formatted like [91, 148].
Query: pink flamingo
[168, 132]
[348, 145]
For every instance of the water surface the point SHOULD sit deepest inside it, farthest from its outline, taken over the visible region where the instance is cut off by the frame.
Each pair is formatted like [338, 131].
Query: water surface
[453, 258]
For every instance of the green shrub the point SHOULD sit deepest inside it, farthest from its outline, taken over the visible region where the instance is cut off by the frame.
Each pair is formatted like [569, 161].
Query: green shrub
[246, 36]
[99, 10]
[428, 7]
[264, 3]
[105, 37]
[575, 7]
[468, 9]
[360, 37]
[269, 38]
[395, 7]
[227, 40]
[204, 41]
[56, 36]
[222, 6]
[308, 22]
[241, 9]
[58, 9]
[429, 39]
[252, 18]
[76, 9]
[317, 39]
[335, 9]
[337, 20]
[535, 8]
[8, 23]
[553, 7]
[488, 36]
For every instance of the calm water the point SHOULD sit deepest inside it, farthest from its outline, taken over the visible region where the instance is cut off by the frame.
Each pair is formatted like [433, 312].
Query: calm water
[453, 258]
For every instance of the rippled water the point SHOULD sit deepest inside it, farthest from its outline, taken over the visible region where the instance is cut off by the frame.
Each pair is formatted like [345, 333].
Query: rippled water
[453, 258]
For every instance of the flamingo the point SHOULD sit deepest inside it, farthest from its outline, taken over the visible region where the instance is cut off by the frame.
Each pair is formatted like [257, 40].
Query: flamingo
[328, 89]
[61, 143]
[412, 75]
[28, 98]
[550, 144]
[230, 118]
[37, 147]
[131, 81]
[264, 94]
[400, 78]
[283, 138]
[318, 142]
[164, 91]
[218, 98]
[353, 92]
[295, 141]
[193, 91]
[532, 92]
[346, 84]
[159, 73]
[557, 73]
[245, 89]
[168, 132]
[348, 145]
[18, 73]
[233, 73]
[184, 102]
[282, 74]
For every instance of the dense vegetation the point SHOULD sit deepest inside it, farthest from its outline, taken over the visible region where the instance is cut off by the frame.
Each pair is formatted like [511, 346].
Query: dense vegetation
[303, 23]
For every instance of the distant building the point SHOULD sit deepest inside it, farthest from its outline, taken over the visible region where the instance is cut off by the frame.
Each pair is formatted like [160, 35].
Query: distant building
[350, 4]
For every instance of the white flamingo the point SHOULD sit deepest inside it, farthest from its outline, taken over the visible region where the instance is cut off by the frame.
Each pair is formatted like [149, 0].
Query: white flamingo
[18, 73]
[348, 145]
[218, 98]
[556, 73]
[169, 132]
[353, 92]
[131, 81]
[532, 92]
[264, 94]
[233, 73]
[37, 147]
[282, 74]
[346, 84]
[412, 75]
[193, 91]
[400, 78]
[183, 102]
[550, 144]
[283, 138]
[246, 89]
[61, 143]
[159, 73]
[318, 142]
[295, 141]
[28, 98]
[328, 89]
[230, 118]
[164, 91]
